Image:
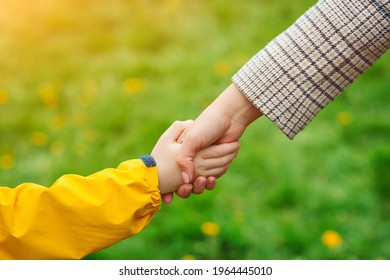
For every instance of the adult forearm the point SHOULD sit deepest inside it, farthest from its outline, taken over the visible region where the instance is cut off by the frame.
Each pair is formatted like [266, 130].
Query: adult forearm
[236, 107]
[302, 70]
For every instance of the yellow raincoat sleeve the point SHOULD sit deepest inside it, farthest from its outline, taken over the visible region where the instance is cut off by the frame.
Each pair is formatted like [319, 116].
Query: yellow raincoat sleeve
[77, 215]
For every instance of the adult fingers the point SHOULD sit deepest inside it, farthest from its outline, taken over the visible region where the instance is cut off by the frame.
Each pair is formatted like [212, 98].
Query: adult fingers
[206, 167]
[211, 183]
[216, 151]
[184, 190]
[199, 185]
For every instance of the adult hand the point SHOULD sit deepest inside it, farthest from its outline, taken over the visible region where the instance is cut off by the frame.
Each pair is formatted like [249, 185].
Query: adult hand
[224, 121]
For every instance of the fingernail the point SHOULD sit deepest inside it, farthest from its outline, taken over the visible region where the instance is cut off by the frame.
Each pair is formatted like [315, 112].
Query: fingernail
[186, 178]
[188, 191]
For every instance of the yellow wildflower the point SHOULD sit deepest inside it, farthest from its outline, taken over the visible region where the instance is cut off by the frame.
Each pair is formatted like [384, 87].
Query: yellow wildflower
[49, 95]
[222, 68]
[344, 118]
[210, 228]
[171, 6]
[134, 85]
[331, 239]
[4, 97]
[7, 162]
[188, 257]
[39, 138]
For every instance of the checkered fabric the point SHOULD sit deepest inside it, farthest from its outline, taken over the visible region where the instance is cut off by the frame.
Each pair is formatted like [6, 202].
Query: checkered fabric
[303, 69]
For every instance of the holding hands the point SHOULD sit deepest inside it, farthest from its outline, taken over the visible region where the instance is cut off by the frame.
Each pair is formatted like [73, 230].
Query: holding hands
[212, 161]
[214, 132]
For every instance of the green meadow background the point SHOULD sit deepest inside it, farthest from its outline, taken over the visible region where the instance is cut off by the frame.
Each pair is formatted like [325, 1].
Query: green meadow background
[86, 84]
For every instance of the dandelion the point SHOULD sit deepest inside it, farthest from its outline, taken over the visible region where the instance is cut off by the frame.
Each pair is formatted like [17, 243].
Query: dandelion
[49, 96]
[4, 97]
[57, 123]
[331, 239]
[7, 162]
[210, 228]
[344, 118]
[171, 6]
[134, 85]
[39, 138]
[222, 68]
[188, 257]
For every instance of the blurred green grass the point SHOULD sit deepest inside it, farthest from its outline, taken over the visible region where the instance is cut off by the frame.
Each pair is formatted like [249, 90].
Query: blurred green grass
[87, 84]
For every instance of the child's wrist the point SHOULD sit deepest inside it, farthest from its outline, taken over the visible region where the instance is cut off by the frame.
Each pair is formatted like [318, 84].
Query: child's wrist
[148, 160]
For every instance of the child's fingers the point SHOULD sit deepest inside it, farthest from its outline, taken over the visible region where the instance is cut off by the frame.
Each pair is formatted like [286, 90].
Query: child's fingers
[216, 151]
[167, 198]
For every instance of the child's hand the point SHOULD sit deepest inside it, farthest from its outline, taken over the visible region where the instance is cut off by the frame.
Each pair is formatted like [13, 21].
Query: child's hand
[212, 161]
[165, 152]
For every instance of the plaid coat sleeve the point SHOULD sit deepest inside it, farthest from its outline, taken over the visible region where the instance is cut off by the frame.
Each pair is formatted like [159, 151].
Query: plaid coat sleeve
[303, 69]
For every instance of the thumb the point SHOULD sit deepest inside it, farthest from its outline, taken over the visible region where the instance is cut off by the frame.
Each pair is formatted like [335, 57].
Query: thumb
[185, 158]
[167, 198]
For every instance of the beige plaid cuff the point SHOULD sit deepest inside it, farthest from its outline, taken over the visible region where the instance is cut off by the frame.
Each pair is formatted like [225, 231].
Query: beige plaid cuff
[303, 69]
